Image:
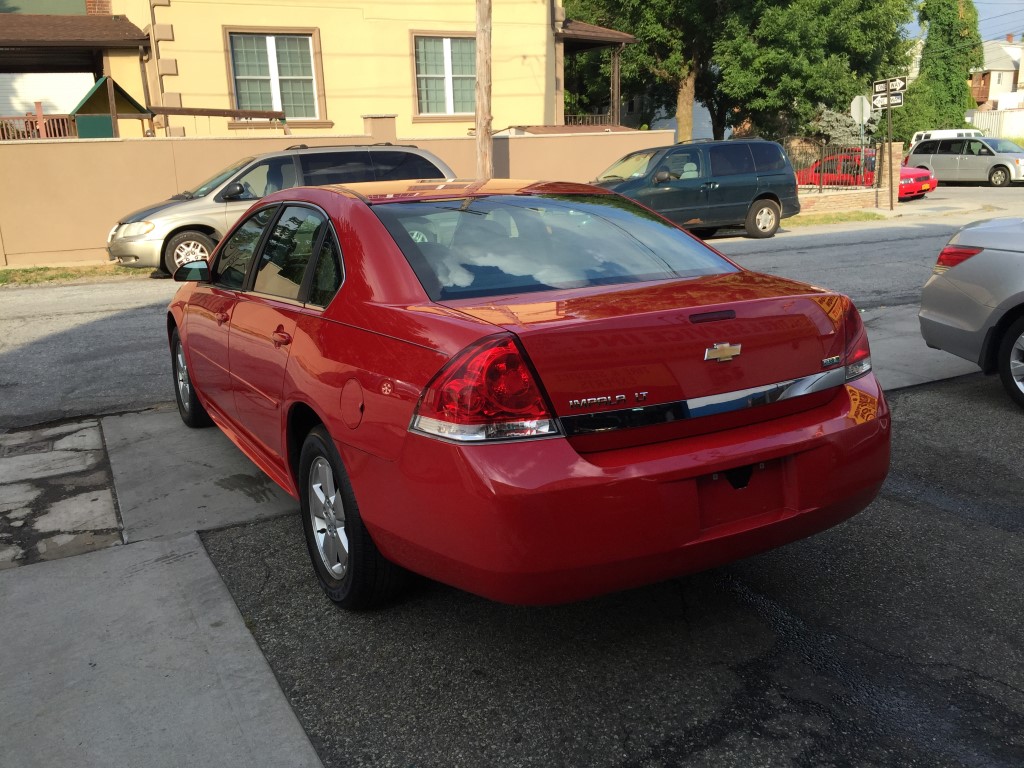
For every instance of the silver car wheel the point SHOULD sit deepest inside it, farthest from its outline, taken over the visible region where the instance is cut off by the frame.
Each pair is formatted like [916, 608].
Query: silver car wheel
[1017, 362]
[765, 219]
[327, 513]
[181, 376]
[190, 250]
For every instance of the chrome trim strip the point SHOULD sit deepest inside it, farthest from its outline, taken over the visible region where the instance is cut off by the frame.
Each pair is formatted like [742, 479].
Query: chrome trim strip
[726, 402]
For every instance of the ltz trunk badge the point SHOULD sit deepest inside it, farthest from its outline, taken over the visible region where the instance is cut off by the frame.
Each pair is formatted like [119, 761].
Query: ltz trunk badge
[722, 352]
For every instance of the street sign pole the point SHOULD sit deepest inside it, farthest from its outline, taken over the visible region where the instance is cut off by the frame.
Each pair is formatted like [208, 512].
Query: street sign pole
[888, 154]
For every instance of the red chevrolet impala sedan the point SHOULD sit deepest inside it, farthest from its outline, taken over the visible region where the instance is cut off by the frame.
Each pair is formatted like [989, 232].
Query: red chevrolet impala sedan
[536, 392]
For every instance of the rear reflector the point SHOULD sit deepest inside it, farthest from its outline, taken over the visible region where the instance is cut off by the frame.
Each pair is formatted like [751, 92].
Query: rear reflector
[952, 255]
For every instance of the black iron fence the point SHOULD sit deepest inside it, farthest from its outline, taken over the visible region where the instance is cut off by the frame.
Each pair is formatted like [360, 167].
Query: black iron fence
[832, 166]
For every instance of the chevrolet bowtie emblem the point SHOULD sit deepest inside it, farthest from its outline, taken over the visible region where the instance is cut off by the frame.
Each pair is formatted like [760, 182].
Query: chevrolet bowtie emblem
[722, 352]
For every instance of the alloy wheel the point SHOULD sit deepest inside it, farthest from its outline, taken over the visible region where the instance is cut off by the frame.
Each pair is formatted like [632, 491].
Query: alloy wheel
[327, 512]
[190, 250]
[1017, 362]
[181, 376]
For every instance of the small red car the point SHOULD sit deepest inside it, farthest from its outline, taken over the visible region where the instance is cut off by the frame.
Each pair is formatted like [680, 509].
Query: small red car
[855, 169]
[535, 392]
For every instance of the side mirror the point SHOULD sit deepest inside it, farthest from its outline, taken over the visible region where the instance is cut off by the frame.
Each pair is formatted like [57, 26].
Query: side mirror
[661, 177]
[233, 191]
[193, 272]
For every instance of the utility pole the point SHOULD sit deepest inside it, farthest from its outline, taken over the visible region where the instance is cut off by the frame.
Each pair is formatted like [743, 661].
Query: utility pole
[484, 142]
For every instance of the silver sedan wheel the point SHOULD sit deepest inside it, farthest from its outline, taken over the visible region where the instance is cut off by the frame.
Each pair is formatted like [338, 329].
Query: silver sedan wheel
[190, 250]
[181, 377]
[327, 512]
[1017, 363]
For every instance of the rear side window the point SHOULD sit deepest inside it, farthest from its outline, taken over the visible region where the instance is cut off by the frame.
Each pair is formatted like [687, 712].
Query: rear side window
[336, 167]
[328, 273]
[394, 165]
[288, 251]
[508, 244]
[951, 146]
[768, 156]
[730, 159]
[236, 254]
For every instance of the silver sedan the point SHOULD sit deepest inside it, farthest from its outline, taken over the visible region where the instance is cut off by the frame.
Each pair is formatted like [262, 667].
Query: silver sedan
[973, 304]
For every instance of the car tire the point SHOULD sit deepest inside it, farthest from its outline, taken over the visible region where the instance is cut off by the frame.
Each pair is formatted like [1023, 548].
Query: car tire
[352, 572]
[186, 246]
[999, 177]
[191, 410]
[704, 232]
[1010, 361]
[763, 218]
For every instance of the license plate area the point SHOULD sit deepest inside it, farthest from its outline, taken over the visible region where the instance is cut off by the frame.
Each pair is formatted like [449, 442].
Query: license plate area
[742, 492]
[926, 187]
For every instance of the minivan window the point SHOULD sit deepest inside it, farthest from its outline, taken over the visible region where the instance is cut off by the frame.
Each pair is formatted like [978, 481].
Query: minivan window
[336, 167]
[768, 156]
[1003, 145]
[927, 148]
[216, 180]
[951, 146]
[730, 159]
[288, 251]
[393, 166]
[630, 167]
[682, 164]
[271, 175]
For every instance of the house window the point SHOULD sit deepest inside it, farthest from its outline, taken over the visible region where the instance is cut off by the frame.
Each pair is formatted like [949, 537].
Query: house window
[999, 78]
[445, 75]
[274, 72]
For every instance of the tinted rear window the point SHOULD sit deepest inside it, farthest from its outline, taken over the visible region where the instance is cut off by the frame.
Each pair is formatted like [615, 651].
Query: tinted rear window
[926, 148]
[392, 165]
[336, 167]
[516, 244]
[731, 159]
[768, 156]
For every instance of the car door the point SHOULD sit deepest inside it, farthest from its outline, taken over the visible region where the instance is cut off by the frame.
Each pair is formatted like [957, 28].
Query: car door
[210, 312]
[264, 321]
[732, 184]
[946, 160]
[975, 161]
[676, 189]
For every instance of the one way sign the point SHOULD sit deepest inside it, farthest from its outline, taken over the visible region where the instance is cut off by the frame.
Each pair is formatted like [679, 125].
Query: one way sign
[890, 85]
[887, 100]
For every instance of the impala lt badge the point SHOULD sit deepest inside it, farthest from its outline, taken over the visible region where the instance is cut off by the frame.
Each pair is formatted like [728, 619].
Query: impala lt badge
[722, 352]
[830, 361]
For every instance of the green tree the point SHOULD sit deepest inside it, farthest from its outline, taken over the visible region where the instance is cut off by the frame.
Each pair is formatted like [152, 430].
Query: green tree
[671, 61]
[781, 60]
[952, 47]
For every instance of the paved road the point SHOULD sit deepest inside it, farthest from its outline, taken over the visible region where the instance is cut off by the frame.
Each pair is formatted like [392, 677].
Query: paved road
[891, 640]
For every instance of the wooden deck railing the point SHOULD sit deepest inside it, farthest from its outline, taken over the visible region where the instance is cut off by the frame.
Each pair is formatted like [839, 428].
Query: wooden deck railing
[37, 126]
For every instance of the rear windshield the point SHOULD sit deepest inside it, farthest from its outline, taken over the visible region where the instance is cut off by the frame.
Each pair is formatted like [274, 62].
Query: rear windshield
[508, 244]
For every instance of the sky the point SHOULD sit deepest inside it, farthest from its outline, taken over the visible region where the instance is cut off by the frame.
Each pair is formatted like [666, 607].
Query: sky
[996, 19]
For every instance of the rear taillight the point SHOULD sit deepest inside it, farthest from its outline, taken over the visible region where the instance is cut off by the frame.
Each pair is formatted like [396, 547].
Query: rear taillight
[858, 351]
[486, 392]
[952, 255]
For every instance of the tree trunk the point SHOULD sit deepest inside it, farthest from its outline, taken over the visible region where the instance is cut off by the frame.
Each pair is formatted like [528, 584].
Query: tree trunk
[684, 104]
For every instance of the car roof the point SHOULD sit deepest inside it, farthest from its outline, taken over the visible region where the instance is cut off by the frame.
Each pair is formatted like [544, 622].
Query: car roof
[399, 191]
[304, 149]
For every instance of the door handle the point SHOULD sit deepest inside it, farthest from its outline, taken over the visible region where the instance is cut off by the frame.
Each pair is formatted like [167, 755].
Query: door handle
[280, 339]
[221, 317]
[709, 185]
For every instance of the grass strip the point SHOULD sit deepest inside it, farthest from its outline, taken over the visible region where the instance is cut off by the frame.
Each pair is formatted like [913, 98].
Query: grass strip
[46, 275]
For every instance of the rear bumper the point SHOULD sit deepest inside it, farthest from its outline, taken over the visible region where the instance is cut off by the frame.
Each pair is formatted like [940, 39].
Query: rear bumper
[538, 523]
[952, 321]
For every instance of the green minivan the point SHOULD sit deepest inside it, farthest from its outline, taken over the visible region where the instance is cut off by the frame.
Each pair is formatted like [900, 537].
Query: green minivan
[705, 185]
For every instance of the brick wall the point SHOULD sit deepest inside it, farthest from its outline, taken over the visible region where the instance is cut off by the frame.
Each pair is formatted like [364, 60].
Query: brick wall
[842, 200]
[98, 8]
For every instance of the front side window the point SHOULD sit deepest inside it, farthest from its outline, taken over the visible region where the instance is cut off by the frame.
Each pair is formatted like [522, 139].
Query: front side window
[445, 75]
[236, 255]
[268, 176]
[274, 72]
[288, 251]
